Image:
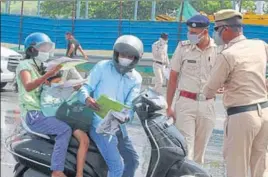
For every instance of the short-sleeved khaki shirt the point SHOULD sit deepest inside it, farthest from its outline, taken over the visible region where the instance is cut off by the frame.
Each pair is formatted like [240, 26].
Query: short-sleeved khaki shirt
[241, 69]
[159, 51]
[193, 65]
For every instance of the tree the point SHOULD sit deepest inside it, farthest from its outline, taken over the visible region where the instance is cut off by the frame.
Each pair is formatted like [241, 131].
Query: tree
[55, 9]
[249, 6]
[111, 10]
[210, 7]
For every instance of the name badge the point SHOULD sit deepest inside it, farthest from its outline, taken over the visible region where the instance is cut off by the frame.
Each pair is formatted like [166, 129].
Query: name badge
[191, 61]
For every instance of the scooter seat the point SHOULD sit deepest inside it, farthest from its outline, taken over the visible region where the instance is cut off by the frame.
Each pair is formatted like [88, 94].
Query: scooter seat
[75, 144]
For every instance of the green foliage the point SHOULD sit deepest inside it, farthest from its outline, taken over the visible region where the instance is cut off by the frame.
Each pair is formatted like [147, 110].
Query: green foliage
[111, 10]
[55, 9]
[249, 6]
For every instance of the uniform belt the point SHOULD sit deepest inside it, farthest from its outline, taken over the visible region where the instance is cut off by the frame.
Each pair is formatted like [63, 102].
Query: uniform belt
[193, 96]
[247, 108]
[159, 62]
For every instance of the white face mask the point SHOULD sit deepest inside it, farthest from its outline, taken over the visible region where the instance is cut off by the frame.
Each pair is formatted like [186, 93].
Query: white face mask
[124, 61]
[42, 56]
[195, 38]
[163, 41]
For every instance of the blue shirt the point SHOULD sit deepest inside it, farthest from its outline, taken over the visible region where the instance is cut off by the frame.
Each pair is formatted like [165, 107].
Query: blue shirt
[105, 79]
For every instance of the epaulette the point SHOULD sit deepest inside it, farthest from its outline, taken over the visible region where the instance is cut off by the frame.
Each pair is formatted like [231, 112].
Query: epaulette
[184, 43]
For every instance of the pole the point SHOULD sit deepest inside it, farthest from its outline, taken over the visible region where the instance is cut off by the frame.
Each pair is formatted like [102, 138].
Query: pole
[234, 4]
[38, 8]
[8, 6]
[73, 16]
[153, 10]
[240, 5]
[86, 10]
[120, 19]
[136, 9]
[78, 6]
[180, 21]
[222, 4]
[21, 22]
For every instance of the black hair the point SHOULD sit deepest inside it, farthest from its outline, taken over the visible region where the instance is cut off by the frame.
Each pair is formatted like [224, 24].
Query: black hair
[164, 35]
[31, 53]
[68, 33]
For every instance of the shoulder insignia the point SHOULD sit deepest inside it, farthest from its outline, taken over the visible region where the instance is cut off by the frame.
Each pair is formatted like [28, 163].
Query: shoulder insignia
[184, 43]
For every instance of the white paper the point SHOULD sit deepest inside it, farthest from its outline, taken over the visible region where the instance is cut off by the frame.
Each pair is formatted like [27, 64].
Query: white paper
[72, 83]
[166, 72]
[111, 122]
[55, 62]
[69, 83]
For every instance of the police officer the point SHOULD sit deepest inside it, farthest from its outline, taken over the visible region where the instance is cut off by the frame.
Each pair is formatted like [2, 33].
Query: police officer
[240, 68]
[160, 60]
[190, 68]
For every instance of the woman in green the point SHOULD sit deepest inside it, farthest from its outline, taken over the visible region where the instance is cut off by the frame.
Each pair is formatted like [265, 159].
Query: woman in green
[30, 78]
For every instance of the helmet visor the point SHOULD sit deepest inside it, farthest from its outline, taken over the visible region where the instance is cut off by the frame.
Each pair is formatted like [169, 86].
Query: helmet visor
[44, 46]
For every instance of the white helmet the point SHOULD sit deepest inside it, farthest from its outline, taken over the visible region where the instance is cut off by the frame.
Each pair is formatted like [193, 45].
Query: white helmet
[128, 45]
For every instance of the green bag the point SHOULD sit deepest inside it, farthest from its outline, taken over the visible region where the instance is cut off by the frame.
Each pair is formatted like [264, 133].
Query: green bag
[76, 115]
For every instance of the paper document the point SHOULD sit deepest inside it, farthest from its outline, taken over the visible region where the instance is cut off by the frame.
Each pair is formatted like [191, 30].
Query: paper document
[166, 72]
[73, 82]
[107, 104]
[69, 83]
[111, 123]
[65, 62]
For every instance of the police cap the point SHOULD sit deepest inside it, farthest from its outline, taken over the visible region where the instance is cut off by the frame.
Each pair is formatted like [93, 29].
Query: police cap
[227, 14]
[198, 21]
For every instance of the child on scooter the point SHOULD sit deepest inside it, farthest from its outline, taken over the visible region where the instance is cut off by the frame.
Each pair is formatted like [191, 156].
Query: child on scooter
[49, 106]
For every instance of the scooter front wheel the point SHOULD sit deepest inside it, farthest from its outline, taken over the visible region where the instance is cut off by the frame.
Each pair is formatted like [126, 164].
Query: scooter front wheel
[187, 168]
[19, 170]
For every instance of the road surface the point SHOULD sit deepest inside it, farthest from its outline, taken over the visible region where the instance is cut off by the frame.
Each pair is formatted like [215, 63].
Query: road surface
[213, 159]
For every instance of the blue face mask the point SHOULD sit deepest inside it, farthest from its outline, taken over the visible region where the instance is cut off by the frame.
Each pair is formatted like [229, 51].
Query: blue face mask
[217, 38]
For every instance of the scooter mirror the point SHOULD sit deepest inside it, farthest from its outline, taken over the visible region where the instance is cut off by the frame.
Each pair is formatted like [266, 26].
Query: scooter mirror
[150, 100]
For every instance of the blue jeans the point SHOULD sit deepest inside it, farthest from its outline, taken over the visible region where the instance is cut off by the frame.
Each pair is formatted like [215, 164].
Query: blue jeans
[37, 122]
[112, 151]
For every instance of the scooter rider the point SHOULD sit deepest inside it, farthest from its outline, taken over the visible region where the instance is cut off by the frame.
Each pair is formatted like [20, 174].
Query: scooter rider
[119, 80]
[29, 78]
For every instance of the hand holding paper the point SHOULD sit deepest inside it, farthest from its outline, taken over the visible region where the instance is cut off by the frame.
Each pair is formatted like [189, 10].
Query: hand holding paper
[90, 102]
[166, 72]
[111, 122]
[108, 104]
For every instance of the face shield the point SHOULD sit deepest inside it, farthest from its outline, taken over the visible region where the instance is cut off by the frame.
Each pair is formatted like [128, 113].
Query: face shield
[45, 47]
[44, 50]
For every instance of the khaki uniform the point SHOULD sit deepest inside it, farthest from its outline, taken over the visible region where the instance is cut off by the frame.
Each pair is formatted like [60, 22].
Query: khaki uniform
[194, 118]
[159, 51]
[240, 68]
